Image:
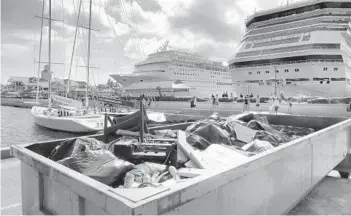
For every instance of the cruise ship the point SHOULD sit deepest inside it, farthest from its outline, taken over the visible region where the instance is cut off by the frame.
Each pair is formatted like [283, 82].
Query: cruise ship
[176, 73]
[299, 49]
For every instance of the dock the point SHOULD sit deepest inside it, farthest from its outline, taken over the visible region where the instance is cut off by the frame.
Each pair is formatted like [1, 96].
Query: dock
[230, 108]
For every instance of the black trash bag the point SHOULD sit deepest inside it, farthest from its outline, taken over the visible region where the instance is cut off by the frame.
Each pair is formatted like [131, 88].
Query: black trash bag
[259, 146]
[100, 165]
[73, 146]
[257, 125]
[266, 136]
[144, 173]
[208, 134]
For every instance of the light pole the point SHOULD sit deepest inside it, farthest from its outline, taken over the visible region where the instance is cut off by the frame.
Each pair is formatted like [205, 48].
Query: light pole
[275, 80]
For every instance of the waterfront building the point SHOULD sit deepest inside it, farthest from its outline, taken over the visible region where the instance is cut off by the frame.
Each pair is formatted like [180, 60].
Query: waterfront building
[28, 85]
[302, 48]
[16, 84]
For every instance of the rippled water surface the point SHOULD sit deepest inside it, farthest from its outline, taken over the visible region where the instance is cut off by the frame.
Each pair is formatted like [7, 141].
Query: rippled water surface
[18, 127]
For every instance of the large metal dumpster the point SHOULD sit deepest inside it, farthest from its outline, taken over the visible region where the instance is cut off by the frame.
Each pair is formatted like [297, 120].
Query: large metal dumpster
[270, 183]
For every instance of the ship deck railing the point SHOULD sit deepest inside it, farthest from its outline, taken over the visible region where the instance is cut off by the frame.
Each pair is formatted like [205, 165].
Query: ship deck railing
[290, 62]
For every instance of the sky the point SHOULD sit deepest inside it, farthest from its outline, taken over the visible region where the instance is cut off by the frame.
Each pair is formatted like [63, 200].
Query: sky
[212, 28]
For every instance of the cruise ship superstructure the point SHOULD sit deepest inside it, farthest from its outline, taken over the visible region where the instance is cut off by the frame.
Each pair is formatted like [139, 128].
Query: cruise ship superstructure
[302, 48]
[189, 74]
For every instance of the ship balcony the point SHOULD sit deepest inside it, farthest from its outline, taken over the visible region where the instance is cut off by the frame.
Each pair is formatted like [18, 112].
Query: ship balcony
[303, 16]
[262, 56]
[333, 61]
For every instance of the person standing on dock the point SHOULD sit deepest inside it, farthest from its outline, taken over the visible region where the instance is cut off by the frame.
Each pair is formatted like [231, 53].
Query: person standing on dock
[276, 105]
[289, 105]
[246, 104]
[270, 104]
[193, 102]
[257, 101]
[217, 101]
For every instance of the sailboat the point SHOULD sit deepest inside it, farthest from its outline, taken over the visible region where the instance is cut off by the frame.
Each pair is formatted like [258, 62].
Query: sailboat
[69, 116]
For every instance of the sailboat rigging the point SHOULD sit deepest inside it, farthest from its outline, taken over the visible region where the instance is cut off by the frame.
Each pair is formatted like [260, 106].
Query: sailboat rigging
[69, 118]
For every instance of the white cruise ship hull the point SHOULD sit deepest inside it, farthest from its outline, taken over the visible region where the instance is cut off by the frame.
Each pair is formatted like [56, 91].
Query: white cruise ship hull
[201, 76]
[306, 50]
[73, 124]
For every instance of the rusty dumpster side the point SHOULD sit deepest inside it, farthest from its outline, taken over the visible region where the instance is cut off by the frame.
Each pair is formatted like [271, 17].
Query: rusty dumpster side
[270, 183]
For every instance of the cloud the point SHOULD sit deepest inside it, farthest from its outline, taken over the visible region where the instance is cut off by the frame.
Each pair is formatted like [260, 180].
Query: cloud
[212, 28]
[206, 18]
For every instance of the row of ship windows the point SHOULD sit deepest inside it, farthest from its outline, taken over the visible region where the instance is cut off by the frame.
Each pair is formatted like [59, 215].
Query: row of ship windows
[209, 86]
[296, 70]
[289, 49]
[152, 63]
[218, 73]
[186, 74]
[226, 77]
[189, 70]
[196, 69]
[299, 24]
[303, 30]
[297, 17]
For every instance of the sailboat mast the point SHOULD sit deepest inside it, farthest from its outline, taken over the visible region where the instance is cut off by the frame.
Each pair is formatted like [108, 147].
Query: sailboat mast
[74, 45]
[49, 64]
[88, 62]
[40, 44]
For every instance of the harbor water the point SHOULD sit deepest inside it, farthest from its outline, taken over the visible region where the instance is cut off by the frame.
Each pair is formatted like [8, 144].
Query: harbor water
[18, 127]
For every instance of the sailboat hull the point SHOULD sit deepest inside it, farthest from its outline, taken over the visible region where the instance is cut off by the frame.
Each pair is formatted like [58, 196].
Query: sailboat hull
[73, 124]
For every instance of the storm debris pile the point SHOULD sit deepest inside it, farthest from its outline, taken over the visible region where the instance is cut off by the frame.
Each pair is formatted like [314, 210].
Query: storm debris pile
[169, 155]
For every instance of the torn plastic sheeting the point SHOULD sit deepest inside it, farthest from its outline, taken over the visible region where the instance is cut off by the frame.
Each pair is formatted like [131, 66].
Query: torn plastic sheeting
[208, 134]
[143, 173]
[71, 147]
[266, 136]
[100, 165]
[257, 146]
[233, 119]
[256, 125]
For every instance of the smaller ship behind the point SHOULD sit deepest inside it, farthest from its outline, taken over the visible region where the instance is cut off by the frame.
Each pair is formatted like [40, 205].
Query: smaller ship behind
[176, 73]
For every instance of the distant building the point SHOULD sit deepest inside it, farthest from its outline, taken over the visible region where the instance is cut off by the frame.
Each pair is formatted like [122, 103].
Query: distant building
[59, 86]
[15, 83]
